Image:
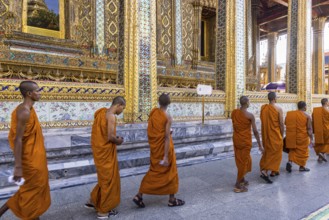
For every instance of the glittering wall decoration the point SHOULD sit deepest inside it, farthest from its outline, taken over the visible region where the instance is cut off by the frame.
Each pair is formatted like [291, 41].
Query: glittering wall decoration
[100, 26]
[292, 47]
[178, 32]
[112, 8]
[166, 28]
[187, 30]
[221, 46]
[87, 21]
[121, 57]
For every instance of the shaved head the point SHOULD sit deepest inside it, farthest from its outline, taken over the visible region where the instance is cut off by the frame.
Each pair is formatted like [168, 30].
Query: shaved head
[271, 96]
[244, 100]
[164, 100]
[119, 100]
[324, 101]
[27, 86]
[301, 105]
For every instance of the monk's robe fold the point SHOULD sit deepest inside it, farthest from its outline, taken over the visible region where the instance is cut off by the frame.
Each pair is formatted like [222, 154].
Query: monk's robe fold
[271, 138]
[106, 194]
[297, 139]
[159, 180]
[321, 130]
[33, 198]
[242, 142]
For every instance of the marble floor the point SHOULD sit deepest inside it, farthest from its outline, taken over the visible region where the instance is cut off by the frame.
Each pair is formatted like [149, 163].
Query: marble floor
[207, 189]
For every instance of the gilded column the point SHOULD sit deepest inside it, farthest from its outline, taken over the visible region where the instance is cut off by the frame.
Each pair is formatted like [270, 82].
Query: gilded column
[299, 78]
[178, 32]
[255, 40]
[196, 33]
[140, 79]
[231, 50]
[99, 27]
[318, 56]
[272, 39]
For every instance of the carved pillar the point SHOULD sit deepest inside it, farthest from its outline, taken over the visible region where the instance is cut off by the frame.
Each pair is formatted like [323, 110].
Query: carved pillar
[140, 79]
[318, 56]
[230, 51]
[299, 78]
[272, 39]
[196, 33]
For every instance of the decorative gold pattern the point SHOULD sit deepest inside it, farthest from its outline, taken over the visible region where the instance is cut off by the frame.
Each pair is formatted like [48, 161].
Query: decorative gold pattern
[187, 30]
[111, 27]
[190, 95]
[166, 16]
[261, 97]
[61, 91]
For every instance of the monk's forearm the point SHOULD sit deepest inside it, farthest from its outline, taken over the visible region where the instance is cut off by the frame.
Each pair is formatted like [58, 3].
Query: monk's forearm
[282, 130]
[18, 153]
[166, 148]
[256, 134]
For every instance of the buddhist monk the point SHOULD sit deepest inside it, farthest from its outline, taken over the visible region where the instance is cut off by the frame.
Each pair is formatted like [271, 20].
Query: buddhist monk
[242, 122]
[321, 130]
[106, 194]
[162, 177]
[26, 140]
[272, 133]
[298, 136]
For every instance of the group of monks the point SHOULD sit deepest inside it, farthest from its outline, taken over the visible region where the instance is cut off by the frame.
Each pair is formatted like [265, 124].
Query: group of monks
[300, 128]
[26, 140]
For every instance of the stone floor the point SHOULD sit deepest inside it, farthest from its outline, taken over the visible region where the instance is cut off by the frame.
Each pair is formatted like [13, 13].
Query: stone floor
[207, 190]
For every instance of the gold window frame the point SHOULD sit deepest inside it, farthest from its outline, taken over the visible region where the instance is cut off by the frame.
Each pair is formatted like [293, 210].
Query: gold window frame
[41, 31]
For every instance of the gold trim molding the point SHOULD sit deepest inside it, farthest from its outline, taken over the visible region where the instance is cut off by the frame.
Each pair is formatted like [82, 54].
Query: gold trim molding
[262, 97]
[62, 91]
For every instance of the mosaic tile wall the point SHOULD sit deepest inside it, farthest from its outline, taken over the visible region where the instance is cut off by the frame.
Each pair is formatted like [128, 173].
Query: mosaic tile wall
[178, 32]
[292, 58]
[221, 46]
[183, 109]
[187, 30]
[86, 18]
[145, 52]
[240, 48]
[100, 26]
[255, 108]
[56, 111]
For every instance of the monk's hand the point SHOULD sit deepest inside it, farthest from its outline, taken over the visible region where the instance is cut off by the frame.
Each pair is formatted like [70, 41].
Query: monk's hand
[261, 149]
[18, 173]
[120, 140]
[164, 162]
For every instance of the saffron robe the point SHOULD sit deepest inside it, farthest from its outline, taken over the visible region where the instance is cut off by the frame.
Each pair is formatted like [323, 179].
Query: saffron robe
[242, 142]
[271, 138]
[321, 130]
[297, 139]
[106, 194]
[33, 197]
[159, 180]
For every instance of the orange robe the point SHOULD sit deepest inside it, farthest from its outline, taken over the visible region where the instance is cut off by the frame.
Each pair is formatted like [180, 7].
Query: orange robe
[106, 194]
[271, 138]
[33, 198]
[297, 139]
[159, 180]
[321, 130]
[242, 142]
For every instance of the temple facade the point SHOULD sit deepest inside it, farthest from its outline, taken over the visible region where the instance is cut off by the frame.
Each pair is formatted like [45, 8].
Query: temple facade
[140, 49]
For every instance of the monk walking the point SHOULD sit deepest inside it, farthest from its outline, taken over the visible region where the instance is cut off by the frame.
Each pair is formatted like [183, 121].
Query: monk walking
[298, 136]
[162, 177]
[321, 130]
[106, 194]
[242, 122]
[26, 140]
[272, 132]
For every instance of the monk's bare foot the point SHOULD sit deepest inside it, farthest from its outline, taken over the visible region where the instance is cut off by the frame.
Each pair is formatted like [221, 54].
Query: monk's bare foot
[303, 169]
[240, 189]
[322, 156]
[265, 177]
[175, 202]
[244, 183]
[138, 200]
[100, 215]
